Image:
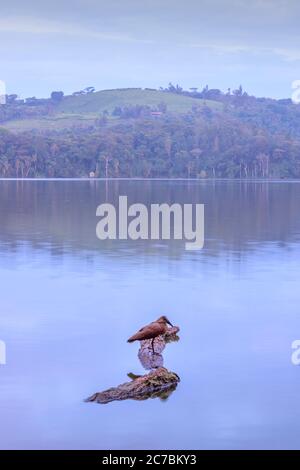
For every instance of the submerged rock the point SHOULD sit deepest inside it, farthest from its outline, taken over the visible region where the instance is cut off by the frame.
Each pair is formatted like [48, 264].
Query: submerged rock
[157, 383]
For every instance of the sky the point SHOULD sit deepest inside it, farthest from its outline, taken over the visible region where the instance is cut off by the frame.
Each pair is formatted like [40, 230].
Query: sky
[69, 45]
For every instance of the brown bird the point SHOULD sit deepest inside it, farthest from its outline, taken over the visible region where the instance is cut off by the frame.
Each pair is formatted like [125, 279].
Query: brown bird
[151, 331]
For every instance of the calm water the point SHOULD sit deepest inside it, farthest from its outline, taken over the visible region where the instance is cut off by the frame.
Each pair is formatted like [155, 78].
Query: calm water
[69, 302]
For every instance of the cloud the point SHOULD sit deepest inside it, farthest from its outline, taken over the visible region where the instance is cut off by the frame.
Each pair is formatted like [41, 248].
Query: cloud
[222, 48]
[41, 26]
[289, 55]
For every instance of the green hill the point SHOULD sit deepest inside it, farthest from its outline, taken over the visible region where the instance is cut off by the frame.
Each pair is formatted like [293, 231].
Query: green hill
[83, 110]
[109, 99]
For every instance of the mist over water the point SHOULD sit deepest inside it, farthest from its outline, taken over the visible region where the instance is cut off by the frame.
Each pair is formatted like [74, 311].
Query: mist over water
[70, 301]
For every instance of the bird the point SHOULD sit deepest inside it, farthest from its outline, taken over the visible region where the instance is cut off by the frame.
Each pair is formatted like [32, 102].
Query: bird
[151, 331]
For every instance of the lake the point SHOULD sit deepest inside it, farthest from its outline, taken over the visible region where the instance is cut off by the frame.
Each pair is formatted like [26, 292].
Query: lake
[70, 301]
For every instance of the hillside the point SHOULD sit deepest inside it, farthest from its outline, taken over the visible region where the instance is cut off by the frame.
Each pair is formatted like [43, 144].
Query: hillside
[108, 100]
[169, 133]
[84, 110]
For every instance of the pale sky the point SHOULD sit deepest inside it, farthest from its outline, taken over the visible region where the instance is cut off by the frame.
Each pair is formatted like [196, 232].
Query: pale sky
[68, 45]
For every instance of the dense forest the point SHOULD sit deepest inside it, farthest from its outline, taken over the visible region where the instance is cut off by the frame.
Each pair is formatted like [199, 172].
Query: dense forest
[217, 135]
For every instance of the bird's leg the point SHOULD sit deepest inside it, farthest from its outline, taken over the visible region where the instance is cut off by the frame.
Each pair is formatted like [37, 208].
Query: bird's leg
[153, 345]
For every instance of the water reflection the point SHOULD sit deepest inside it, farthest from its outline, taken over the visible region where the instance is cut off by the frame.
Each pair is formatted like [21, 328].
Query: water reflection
[153, 360]
[60, 216]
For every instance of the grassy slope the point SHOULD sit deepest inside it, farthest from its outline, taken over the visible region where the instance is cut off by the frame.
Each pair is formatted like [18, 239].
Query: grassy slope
[82, 110]
[59, 122]
[109, 99]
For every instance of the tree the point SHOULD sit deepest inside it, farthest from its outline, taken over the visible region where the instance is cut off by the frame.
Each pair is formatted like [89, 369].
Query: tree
[57, 96]
[239, 91]
[31, 100]
[11, 99]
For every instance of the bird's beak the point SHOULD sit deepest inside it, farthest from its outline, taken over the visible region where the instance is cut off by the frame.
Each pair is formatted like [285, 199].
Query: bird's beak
[168, 321]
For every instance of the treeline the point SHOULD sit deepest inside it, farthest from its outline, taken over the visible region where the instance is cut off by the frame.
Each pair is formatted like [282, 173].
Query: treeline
[277, 116]
[199, 144]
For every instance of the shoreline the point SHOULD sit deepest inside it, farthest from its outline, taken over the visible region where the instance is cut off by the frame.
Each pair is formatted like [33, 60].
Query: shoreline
[204, 180]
